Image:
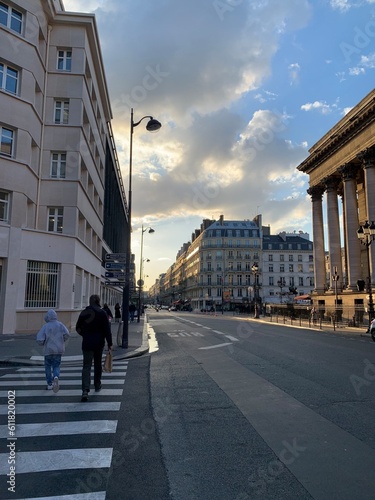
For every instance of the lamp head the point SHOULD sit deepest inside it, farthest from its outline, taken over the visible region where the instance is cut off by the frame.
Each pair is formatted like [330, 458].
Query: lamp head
[151, 230]
[153, 125]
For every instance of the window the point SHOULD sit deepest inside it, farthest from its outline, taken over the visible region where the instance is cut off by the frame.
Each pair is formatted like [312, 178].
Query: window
[299, 258]
[4, 206]
[42, 279]
[61, 112]
[270, 280]
[8, 78]
[291, 269]
[64, 60]
[290, 258]
[6, 146]
[270, 268]
[270, 257]
[239, 279]
[209, 280]
[219, 279]
[282, 268]
[209, 266]
[300, 281]
[58, 165]
[11, 18]
[219, 255]
[55, 219]
[230, 266]
[248, 279]
[239, 267]
[239, 292]
[281, 258]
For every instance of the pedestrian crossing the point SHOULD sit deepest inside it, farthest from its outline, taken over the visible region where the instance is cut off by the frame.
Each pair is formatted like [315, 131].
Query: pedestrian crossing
[60, 448]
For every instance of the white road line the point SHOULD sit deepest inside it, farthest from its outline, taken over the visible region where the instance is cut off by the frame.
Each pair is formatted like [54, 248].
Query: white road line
[61, 428]
[217, 331]
[40, 461]
[69, 392]
[32, 408]
[215, 346]
[233, 339]
[95, 495]
[33, 369]
[64, 374]
[62, 380]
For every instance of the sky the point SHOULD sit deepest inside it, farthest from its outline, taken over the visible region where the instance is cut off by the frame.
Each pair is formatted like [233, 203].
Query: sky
[243, 89]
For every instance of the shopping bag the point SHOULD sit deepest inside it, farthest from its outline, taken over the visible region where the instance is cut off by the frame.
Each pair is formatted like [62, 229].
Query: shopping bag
[107, 365]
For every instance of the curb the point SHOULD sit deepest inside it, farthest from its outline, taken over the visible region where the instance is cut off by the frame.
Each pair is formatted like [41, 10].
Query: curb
[140, 351]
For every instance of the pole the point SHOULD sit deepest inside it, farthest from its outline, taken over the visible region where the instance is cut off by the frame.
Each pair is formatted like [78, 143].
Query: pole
[140, 284]
[126, 289]
[369, 285]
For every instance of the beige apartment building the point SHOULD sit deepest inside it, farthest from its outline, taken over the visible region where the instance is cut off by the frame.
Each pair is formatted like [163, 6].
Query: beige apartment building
[62, 202]
[341, 169]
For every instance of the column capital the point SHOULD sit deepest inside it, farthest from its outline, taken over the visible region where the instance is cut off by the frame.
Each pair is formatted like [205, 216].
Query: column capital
[367, 157]
[348, 171]
[316, 192]
[331, 183]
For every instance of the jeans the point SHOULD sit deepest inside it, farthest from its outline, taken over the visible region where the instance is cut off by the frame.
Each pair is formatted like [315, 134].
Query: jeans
[52, 367]
[88, 357]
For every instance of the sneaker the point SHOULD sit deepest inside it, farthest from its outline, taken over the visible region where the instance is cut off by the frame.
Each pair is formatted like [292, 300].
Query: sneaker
[49, 387]
[85, 397]
[98, 388]
[55, 385]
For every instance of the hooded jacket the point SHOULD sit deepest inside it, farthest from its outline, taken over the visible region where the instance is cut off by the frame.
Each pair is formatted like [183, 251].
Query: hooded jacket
[52, 335]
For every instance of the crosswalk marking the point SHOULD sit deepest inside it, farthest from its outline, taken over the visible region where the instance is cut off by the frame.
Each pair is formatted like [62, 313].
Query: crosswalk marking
[67, 392]
[43, 431]
[42, 408]
[42, 461]
[62, 428]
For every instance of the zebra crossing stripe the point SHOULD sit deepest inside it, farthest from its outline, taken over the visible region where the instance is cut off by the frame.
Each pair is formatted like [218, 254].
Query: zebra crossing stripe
[63, 382]
[67, 392]
[95, 495]
[64, 374]
[43, 461]
[61, 428]
[35, 408]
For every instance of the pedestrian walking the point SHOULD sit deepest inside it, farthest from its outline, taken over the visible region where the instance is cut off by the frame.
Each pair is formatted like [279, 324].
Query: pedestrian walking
[52, 336]
[108, 312]
[117, 313]
[95, 329]
[132, 310]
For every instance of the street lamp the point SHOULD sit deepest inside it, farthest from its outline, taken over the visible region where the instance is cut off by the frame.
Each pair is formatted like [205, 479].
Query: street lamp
[366, 235]
[152, 126]
[335, 278]
[140, 282]
[255, 270]
[281, 284]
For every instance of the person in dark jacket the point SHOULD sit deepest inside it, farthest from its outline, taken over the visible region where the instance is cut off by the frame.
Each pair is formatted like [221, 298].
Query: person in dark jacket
[108, 311]
[95, 329]
[117, 312]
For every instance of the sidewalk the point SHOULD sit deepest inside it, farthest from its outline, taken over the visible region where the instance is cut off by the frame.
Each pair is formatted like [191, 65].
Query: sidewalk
[23, 350]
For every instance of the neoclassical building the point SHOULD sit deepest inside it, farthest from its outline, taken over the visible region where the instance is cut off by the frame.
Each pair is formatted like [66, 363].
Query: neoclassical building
[341, 170]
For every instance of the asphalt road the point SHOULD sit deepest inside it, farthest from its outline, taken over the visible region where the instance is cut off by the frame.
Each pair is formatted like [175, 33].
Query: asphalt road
[258, 410]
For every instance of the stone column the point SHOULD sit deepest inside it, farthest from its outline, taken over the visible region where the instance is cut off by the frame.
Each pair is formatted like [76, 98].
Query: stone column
[334, 241]
[349, 174]
[367, 158]
[316, 193]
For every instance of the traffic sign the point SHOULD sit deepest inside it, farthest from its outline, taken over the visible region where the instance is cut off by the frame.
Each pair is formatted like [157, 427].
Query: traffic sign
[118, 276]
[116, 266]
[115, 283]
[119, 257]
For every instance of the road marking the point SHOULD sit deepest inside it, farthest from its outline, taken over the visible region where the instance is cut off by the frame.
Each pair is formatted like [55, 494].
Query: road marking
[40, 461]
[217, 331]
[68, 392]
[31, 408]
[233, 339]
[61, 428]
[215, 346]
[95, 495]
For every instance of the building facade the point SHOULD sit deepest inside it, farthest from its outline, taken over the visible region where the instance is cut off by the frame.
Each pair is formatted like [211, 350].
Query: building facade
[341, 170]
[62, 202]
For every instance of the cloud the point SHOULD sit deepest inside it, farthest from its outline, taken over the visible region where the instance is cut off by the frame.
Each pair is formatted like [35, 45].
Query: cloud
[320, 106]
[294, 70]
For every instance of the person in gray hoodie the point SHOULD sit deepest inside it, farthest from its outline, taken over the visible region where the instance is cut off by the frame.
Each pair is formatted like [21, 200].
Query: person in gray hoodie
[52, 336]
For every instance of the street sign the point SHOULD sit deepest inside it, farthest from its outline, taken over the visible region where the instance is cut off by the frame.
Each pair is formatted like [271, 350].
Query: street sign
[119, 257]
[115, 283]
[116, 266]
[118, 276]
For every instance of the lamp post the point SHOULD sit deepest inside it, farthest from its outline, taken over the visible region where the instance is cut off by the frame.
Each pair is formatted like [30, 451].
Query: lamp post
[152, 126]
[335, 278]
[366, 235]
[255, 270]
[281, 284]
[140, 282]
